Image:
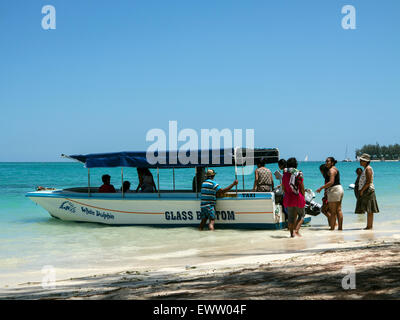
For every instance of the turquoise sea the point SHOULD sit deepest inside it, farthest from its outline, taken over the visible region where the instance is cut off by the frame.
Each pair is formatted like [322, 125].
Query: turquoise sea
[31, 239]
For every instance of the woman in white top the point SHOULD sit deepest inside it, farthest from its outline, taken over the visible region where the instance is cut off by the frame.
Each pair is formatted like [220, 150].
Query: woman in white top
[366, 201]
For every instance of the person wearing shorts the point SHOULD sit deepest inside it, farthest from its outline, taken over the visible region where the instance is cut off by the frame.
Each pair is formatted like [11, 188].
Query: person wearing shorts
[324, 208]
[295, 213]
[209, 191]
[334, 193]
[293, 198]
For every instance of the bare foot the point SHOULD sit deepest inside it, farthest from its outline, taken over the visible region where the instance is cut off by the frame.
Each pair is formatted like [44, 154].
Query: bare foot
[368, 228]
[298, 234]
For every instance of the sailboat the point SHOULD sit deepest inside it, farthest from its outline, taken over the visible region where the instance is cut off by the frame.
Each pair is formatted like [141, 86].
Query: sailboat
[306, 158]
[347, 159]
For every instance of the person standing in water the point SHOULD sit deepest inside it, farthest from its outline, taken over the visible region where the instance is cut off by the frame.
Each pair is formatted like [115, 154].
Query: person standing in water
[293, 199]
[334, 193]
[279, 190]
[209, 191]
[366, 201]
[282, 165]
[325, 209]
[357, 182]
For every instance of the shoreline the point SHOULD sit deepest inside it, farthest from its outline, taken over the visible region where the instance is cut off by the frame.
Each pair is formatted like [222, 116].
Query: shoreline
[314, 273]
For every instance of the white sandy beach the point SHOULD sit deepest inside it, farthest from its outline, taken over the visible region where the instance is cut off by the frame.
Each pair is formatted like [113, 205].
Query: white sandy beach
[309, 268]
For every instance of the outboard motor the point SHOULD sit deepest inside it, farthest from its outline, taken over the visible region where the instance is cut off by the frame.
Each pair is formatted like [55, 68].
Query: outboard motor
[278, 196]
[312, 208]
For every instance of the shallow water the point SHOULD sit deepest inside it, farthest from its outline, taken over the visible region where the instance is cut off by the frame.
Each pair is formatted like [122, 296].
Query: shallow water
[31, 239]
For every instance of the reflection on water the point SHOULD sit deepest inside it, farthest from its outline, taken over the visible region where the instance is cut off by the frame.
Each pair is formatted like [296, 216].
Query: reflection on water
[367, 235]
[296, 244]
[361, 218]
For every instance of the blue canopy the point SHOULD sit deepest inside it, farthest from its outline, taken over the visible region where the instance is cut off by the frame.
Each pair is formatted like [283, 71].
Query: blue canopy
[171, 159]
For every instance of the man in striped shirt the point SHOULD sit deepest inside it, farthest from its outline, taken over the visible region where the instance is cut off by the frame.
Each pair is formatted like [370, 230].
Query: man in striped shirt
[209, 191]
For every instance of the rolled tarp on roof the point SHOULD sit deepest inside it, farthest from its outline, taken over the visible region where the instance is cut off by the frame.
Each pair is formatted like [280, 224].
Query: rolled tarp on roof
[173, 159]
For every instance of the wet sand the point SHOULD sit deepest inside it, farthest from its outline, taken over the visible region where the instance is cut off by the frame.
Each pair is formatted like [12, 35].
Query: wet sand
[315, 272]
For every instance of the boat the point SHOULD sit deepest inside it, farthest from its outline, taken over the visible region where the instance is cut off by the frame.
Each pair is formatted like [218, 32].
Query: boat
[306, 158]
[240, 208]
[346, 159]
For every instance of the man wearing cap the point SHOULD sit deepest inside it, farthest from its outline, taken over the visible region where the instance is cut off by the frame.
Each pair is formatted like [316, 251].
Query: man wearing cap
[209, 191]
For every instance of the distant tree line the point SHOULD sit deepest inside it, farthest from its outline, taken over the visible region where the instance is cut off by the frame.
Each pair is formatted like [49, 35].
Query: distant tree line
[377, 152]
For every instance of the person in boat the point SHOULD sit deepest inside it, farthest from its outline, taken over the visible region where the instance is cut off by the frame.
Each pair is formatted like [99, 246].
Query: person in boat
[263, 181]
[40, 188]
[357, 182]
[334, 193]
[366, 201]
[209, 192]
[126, 187]
[106, 187]
[146, 181]
[198, 179]
[293, 199]
[325, 209]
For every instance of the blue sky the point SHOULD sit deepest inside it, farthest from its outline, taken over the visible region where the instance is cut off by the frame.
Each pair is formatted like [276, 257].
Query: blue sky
[112, 70]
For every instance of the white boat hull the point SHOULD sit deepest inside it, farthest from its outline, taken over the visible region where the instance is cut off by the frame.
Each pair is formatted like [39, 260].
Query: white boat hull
[245, 209]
